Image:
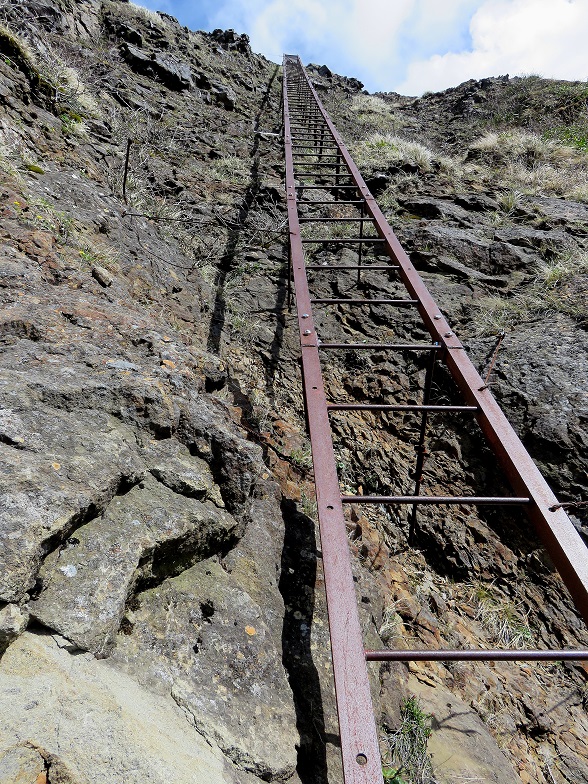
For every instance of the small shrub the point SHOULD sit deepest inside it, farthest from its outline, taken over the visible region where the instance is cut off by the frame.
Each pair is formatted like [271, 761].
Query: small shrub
[408, 744]
[384, 150]
[501, 618]
[302, 457]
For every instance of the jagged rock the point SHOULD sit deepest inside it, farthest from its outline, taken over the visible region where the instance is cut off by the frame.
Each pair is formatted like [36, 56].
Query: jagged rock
[436, 208]
[55, 484]
[477, 202]
[223, 95]
[202, 636]
[176, 75]
[527, 237]
[94, 724]
[231, 41]
[145, 534]
[13, 622]
[378, 183]
[21, 765]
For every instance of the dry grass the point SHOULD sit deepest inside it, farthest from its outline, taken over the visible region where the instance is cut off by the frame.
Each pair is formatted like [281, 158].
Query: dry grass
[532, 164]
[380, 150]
[556, 287]
[371, 111]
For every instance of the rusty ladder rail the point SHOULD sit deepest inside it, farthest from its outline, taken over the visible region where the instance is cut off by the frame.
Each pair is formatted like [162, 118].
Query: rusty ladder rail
[309, 129]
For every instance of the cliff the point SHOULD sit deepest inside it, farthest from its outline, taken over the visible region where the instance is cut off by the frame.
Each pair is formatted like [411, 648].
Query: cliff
[161, 607]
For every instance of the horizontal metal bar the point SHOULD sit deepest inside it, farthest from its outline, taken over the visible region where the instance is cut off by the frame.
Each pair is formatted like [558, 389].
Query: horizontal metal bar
[376, 346]
[398, 302]
[477, 655]
[434, 499]
[327, 188]
[384, 407]
[323, 175]
[337, 203]
[333, 220]
[366, 267]
[344, 240]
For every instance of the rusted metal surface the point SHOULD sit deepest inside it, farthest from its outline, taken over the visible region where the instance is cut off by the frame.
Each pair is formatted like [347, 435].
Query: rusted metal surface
[359, 741]
[437, 500]
[475, 655]
[554, 527]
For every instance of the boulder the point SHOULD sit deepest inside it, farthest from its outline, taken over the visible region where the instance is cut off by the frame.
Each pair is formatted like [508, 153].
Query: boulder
[146, 532]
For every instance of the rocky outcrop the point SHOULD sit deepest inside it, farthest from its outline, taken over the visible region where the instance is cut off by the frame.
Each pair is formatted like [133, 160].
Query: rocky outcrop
[175, 75]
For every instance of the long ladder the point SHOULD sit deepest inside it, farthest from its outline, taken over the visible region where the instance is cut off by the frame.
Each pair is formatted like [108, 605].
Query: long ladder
[318, 163]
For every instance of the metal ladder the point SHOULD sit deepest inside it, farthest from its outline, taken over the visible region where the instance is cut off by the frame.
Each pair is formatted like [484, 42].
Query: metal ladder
[318, 161]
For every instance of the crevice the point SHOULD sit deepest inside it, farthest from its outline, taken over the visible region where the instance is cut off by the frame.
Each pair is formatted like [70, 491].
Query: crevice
[5, 439]
[297, 587]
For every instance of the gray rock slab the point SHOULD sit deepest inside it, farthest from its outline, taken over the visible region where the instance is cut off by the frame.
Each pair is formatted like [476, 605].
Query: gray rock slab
[202, 637]
[148, 533]
[527, 237]
[97, 725]
[171, 463]
[559, 211]
[55, 470]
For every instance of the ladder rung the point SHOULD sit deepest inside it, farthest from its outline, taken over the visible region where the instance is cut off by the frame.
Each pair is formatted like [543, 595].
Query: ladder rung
[433, 499]
[334, 203]
[334, 187]
[477, 655]
[343, 301]
[380, 346]
[323, 174]
[345, 240]
[353, 267]
[393, 407]
[332, 220]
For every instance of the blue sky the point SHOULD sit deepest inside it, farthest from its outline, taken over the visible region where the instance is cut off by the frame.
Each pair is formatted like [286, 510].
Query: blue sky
[407, 45]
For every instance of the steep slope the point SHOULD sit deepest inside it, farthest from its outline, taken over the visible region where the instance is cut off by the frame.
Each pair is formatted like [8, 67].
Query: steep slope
[161, 599]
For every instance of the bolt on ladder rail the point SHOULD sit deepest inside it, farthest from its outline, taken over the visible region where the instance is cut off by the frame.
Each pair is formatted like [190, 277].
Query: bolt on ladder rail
[310, 134]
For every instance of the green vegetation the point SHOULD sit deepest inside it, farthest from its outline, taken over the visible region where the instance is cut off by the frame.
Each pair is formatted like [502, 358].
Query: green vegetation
[409, 761]
[392, 775]
[501, 617]
[302, 457]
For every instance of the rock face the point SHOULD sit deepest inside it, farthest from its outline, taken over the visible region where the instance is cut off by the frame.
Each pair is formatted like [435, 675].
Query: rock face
[55, 706]
[201, 635]
[162, 615]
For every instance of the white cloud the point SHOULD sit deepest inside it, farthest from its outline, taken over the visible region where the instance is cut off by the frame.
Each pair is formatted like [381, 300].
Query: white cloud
[511, 36]
[364, 38]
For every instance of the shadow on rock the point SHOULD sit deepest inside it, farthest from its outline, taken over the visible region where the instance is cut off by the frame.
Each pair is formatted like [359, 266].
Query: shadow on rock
[297, 586]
